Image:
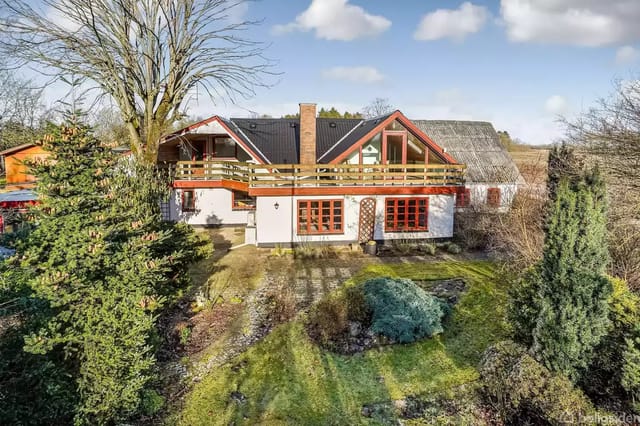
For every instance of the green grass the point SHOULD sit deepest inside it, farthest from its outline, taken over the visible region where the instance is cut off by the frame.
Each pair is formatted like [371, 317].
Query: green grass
[287, 379]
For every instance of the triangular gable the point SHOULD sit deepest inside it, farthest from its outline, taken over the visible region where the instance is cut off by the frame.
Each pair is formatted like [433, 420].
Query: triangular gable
[413, 129]
[217, 124]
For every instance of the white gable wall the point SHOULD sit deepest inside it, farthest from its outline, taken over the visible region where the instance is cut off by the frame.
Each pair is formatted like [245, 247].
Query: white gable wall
[213, 207]
[479, 193]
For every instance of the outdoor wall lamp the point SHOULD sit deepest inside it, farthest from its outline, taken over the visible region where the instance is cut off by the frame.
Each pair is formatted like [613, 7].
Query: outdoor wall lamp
[276, 205]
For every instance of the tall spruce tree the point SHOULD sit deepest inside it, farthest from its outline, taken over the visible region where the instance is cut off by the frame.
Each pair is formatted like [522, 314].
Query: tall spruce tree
[570, 285]
[104, 263]
[559, 308]
[562, 163]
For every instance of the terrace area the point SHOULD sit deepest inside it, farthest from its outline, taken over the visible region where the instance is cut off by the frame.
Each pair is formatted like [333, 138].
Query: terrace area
[319, 175]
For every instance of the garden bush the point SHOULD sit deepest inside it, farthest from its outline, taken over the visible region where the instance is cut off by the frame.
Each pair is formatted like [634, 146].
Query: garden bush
[329, 319]
[401, 310]
[613, 373]
[522, 390]
[453, 248]
[429, 249]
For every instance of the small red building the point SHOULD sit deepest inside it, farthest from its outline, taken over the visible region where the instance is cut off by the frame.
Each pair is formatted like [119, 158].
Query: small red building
[13, 205]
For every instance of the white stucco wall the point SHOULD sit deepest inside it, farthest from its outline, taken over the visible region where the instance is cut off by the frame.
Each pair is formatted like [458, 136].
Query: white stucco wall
[279, 226]
[479, 193]
[213, 207]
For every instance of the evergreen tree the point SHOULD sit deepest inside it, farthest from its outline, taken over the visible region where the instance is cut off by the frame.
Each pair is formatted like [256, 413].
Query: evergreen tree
[562, 162]
[570, 286]
[105, 264]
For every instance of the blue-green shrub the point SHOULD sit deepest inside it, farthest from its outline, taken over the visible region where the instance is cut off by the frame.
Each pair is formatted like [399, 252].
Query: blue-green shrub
[401, 310]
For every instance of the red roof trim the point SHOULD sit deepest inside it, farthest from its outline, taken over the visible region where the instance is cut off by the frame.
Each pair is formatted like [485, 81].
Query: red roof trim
[426, 139]
[224, 183]
[410, 127]
[233, 134]
[360, 190]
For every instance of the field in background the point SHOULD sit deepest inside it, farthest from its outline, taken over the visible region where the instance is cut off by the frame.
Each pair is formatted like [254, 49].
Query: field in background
[531, 161]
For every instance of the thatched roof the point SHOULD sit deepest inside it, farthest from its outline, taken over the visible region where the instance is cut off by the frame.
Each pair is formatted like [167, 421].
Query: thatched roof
[476, 144]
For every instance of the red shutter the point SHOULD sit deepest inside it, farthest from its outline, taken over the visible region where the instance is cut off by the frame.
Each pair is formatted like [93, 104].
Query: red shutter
[463, 199]
[493, 197]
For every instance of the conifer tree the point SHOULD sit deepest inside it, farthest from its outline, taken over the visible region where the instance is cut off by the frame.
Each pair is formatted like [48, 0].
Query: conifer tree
[570, 284]
[105, 264]
[562, 162]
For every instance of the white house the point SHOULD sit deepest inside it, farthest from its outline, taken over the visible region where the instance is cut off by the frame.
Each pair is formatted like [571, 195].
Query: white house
[292, 181]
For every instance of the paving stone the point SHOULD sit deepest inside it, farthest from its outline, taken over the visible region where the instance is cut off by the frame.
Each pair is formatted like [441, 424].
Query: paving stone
[330, 272]
[345, 272]
[316, 273]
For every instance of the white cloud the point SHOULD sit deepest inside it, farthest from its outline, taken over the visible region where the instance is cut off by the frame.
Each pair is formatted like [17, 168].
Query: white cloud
[237, 12]
[62, 20]
[336, 20]
[556, 105]
[454, 24]
[574, 22]
[368, 75]
[627, 55]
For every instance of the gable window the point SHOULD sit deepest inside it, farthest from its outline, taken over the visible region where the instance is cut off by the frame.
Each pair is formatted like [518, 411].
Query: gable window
[188, 201]
[242, 201]
[224, 148]
[463, 199]
[493, 197]
[406, 214]
[320, 217]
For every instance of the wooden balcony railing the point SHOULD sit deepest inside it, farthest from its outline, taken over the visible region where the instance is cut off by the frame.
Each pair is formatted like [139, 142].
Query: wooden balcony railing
[211, 170]
[320, 175]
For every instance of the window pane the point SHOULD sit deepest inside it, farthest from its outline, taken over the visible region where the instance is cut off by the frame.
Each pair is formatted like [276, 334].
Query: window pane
[406, 214]
[394, 149]
[317, 217]
[415, 151]
[224, 147]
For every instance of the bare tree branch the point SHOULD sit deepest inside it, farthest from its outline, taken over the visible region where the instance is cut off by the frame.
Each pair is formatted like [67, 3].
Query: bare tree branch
[145, 54]
[377, 107]
[21, 110]
[611, 132]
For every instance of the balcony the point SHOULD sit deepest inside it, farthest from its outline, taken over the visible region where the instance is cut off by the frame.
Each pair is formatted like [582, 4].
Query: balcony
[320, 175]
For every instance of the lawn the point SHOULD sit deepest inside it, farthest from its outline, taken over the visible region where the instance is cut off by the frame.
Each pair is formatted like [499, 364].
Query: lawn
[287, 379]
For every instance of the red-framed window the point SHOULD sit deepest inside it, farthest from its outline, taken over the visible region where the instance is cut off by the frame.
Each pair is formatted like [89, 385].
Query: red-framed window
[242, 201]
[188, 200]
[463, 199]
[320, 217]
[406, 214]
[493, 197]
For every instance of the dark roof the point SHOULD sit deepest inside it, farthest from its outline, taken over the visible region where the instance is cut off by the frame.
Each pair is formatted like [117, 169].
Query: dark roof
[278, 139]
[231, 124]
[476, 144]
[341, 145]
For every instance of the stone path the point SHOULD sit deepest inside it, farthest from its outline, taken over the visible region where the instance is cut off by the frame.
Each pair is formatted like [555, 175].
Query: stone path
[312, 284]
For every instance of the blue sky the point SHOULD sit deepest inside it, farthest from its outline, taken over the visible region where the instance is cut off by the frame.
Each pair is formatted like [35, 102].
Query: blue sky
[516, 63]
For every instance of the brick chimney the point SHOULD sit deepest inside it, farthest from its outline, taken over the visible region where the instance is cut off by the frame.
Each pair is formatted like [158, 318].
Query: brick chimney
[307, 133]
